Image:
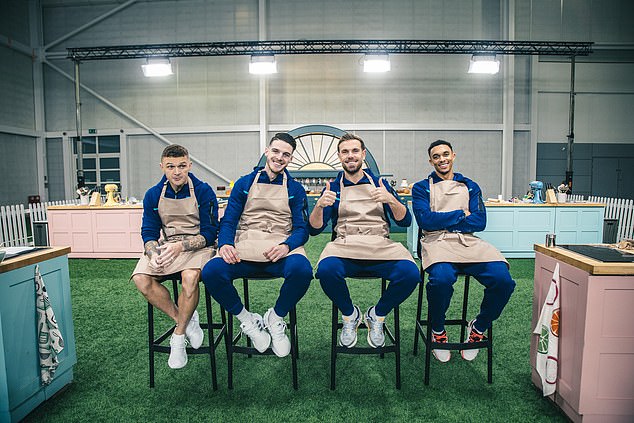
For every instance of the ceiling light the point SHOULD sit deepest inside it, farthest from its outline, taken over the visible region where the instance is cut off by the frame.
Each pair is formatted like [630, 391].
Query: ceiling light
[263, 64]
[157, 67]
[376, 63]
[484, 63]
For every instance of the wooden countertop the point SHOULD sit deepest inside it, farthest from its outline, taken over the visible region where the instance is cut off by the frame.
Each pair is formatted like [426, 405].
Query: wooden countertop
[508, 204]
[32, 258]
[86, 207]
[590, 265]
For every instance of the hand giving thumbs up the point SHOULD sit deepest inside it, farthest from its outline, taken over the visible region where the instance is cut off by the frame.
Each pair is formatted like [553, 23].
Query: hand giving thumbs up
[327, 198]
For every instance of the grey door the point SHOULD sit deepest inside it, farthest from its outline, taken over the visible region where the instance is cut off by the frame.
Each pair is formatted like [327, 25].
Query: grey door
[613, 177]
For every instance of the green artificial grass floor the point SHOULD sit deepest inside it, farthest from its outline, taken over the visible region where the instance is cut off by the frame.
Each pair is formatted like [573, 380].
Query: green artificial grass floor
[111, 375]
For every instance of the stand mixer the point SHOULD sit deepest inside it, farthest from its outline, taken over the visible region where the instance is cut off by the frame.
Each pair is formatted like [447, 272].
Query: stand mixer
[110, 190]
[536, 189]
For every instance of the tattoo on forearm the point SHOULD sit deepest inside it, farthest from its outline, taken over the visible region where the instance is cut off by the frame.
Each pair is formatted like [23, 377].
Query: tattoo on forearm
[195, 243]
[151, 249]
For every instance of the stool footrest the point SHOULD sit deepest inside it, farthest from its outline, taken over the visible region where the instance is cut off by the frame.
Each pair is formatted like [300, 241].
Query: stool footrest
[238, 349]
[164, 336]
[366, 350]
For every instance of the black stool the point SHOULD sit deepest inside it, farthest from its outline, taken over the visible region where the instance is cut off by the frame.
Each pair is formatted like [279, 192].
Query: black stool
[232, 341]
[423, 327]
[155, 344]
[393, 347]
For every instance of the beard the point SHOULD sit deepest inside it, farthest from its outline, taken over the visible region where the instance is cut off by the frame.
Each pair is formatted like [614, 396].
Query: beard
[352, 170]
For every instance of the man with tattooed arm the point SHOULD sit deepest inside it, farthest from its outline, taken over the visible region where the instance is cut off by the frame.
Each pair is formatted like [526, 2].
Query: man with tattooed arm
[179, 229]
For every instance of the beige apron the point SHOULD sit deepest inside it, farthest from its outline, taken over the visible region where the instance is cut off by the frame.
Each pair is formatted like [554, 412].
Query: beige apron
[266, 221]
[453, 247]
[180, 220]
[362, 228]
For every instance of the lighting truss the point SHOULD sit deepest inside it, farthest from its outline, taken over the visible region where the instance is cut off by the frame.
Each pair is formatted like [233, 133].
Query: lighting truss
[238, 48]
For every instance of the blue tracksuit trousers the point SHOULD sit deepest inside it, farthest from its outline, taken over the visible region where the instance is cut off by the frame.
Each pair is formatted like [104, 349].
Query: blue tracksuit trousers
[296, 270]
[403, 276]
[494, 276]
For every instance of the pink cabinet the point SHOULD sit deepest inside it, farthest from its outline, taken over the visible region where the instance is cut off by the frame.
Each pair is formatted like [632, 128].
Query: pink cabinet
[596, 343]
[97, 232]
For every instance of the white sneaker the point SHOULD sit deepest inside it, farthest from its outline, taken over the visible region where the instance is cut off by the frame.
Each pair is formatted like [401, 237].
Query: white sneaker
[277, 327]
[193, 331]
[474, 336]
[348, 337]
[178, 355]
[254, 329]
[376, 337]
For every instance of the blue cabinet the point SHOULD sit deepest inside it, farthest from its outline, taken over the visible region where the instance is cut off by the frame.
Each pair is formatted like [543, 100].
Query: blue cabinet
[20, 387]
[513, 229]
[579, 225]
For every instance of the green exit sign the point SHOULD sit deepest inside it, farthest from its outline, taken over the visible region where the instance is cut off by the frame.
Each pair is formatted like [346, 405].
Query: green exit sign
[92, 131]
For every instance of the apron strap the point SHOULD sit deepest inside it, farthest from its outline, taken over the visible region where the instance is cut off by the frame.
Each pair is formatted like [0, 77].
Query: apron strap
[432, 197]
[191, 189]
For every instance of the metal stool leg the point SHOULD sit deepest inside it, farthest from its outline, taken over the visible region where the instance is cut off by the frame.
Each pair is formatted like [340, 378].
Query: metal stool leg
[212, 346]
[245, 289]
[428, 347]
[397, 336]
[383, 287]
[293, 323]
[419, 310]
[295, 336]
[333, 346]
[490, 357]
[150, 324]
[465, 305]
[229, 350]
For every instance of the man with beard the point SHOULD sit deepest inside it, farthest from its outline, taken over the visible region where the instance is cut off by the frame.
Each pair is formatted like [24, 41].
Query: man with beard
[262, 233]
[449, 208]
[360, 207]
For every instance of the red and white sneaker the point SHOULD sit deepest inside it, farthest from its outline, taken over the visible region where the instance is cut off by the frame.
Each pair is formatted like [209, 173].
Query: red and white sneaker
[441, 338]
[474, 336]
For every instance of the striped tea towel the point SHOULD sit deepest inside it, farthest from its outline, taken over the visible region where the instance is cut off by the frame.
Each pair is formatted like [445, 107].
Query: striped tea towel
[50, 341]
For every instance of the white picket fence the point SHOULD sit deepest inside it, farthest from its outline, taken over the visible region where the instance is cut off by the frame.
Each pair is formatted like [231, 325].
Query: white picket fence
[13, 231]
[621, 209]
[13, 223]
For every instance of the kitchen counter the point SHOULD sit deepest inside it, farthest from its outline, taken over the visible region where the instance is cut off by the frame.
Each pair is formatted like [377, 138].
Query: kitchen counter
[509, 204]
[87, 207]
[513, 228]
[596, 340]
[97, 231]
[20, 388]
